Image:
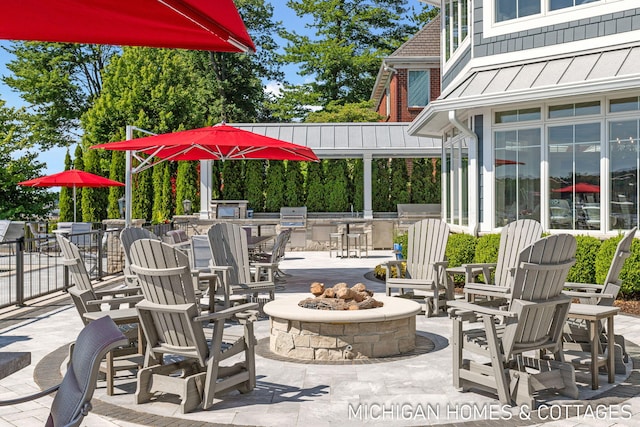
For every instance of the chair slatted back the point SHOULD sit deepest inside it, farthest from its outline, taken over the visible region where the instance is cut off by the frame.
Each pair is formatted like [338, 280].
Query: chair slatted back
[170, 305]
[514, 237]
[163, 272]
[426, 244]
[612, 282]
[537, 295]
[75, 265]
[129, 235]
[277, 252]
[80, 234]
[200, 252]
[229, 248]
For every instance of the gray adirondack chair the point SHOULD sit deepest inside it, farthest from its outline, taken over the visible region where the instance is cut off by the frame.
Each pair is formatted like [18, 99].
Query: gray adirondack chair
[533, 321]
[514, 237]
[424, 277]
[576, 332]
[129, 235]
[87, 300]
[230, 255]
[73, 400]
[173, 325]
[276, 255]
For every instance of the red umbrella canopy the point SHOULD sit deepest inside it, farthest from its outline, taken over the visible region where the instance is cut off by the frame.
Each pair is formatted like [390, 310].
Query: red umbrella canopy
[71, 178]
[188, 24]
[580, 187]
[220, 142]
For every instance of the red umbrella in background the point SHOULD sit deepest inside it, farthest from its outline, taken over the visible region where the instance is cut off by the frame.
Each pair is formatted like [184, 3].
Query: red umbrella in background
[580, 187]
[187, 24]
[72, 178]
[219, 142]
[501, 162]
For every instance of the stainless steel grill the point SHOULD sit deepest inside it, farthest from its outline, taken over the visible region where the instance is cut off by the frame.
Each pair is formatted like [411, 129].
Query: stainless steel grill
[293, 217]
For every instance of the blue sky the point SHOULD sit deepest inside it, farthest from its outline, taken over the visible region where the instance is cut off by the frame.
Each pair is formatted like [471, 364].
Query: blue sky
[54, 158]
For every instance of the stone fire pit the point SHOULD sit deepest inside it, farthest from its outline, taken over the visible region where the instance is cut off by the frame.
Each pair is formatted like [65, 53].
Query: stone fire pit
[307, 334]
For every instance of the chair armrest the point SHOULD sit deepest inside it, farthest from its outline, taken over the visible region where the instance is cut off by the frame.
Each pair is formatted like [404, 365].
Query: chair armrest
[118, 300]
[585, 286]
[579, 294]
[269, 267]
[397, 263]
[29, 397]
[464, 306]
[228, 313]
[122, 291]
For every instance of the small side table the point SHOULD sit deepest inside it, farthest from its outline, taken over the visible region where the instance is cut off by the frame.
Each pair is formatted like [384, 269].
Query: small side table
[452, 271]
[593, 314]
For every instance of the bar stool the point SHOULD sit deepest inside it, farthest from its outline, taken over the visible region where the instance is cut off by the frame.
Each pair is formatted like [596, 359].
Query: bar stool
[336, 244]
[354, 244]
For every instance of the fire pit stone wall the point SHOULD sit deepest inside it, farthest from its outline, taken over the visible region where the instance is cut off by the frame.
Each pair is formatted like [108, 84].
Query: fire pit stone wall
[306, 334]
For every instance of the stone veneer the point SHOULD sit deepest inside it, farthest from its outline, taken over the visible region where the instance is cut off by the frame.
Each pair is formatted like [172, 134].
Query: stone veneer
[306, 334]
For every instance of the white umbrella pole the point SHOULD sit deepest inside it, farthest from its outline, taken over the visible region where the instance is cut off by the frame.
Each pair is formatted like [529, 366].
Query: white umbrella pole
[74, 203]
[128, 181]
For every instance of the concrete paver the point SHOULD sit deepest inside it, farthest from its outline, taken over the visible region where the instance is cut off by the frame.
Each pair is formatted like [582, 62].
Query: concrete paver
[411, 390]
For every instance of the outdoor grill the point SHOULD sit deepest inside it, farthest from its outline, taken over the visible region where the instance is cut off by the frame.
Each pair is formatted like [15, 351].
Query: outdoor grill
[293, 217]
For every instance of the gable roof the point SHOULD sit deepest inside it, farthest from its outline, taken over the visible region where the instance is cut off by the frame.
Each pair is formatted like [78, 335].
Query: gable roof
[422, 48]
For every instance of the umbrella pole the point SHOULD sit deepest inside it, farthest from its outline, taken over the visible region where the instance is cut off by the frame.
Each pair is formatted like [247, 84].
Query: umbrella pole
[128, 178]
[74, 203]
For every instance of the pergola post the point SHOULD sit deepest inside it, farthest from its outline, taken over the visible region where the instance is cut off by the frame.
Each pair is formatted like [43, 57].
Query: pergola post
[368, 207]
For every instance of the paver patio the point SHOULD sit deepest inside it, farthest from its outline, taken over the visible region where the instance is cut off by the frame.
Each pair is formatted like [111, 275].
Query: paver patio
[415, 389]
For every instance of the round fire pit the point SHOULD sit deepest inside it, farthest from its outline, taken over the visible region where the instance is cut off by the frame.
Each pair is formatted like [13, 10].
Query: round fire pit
[307, 334]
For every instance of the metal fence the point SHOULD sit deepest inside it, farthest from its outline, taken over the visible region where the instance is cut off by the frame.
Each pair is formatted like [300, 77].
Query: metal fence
[32, 267]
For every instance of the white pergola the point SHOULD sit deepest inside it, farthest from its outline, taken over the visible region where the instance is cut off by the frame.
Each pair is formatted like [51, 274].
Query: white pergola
[338, 141]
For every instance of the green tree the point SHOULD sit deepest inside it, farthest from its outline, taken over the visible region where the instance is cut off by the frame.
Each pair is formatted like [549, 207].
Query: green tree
[233, 180]
[315, 187]
[380, 185]
[294, 185]
[399, 181]
[160, 211]
[19, 202]
[357, 182]
[94, 200]
[187, 184]
[350, 37]
[334, 112]
[142, 203]
[66, 199]
[59, 81]
[116, 173]
[418, 181]
[274, 198]
[78, 163]
[336, 186]
[254, 184]
[433, 183]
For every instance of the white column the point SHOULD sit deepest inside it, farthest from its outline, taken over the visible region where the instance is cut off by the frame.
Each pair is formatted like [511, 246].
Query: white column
[368, 209]
[205, 187]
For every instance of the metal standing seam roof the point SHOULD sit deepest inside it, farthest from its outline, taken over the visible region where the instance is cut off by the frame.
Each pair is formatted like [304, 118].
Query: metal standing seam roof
[579, 74]
[350, 140]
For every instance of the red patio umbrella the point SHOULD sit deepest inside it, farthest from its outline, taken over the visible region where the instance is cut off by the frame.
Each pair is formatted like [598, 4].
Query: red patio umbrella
[219, 142]
[187, 24]
[72, 178]
[580, 187]
[501, 162]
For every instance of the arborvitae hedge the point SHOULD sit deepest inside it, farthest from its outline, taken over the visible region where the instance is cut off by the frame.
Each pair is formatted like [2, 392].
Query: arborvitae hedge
[399, 182]
[315, 187]
[233, 180]
[419, 181]
[275, 186]
[336, 186]
[187, 183]
[357, 180]
[116, 172]
[94, 200]
[78, 163]
[461, 249]
[66, 195]
[293, 185]
[584, 270]
[254, 184]
[380, 185]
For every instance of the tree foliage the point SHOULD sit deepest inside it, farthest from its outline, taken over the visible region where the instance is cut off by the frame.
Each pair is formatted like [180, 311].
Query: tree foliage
[66, 198]
[254, 180]
[294, 185]
[315, 187]
[334, 112]
[380, 185]
[233, 181]
[336, 186]
[274, 198]
[399, 181]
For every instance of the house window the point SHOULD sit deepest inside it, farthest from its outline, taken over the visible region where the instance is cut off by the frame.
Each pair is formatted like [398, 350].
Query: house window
[512, 9]
[624, 155]
[624, 104]
[574, 175]
[517, 175]
[574, 110]
[522, 115]
[561, 4]
[418, 90]
[456, 22]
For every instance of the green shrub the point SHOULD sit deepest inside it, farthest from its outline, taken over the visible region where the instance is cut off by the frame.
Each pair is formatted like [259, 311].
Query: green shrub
[487, 248]
[584, 270]
[403, 239]
[461, 249]
[630, 274]
[604, 257]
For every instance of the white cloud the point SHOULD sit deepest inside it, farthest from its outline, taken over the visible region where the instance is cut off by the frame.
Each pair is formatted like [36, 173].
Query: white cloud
[274, 88]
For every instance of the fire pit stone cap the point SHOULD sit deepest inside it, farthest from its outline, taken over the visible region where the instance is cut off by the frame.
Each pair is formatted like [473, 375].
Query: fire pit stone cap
[394, 308]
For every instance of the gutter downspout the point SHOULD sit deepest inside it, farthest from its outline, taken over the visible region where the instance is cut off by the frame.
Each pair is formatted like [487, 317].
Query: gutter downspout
[472, 190]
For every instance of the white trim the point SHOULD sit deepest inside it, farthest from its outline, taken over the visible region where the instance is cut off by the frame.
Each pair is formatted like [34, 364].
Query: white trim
[547, 17]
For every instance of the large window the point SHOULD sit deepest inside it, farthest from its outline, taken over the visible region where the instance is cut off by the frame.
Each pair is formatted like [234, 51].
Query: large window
[419, 88]
[561, 4]
[623, 165]
[517, 172]
[574, 176]
[512, 9]
[457, 181]
[456, 25]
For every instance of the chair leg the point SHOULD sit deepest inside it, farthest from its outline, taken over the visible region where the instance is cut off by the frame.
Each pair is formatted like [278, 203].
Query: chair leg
[497, 361]
[457, 351]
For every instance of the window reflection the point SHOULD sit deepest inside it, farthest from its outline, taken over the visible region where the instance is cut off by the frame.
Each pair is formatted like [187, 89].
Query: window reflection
[623, 164]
